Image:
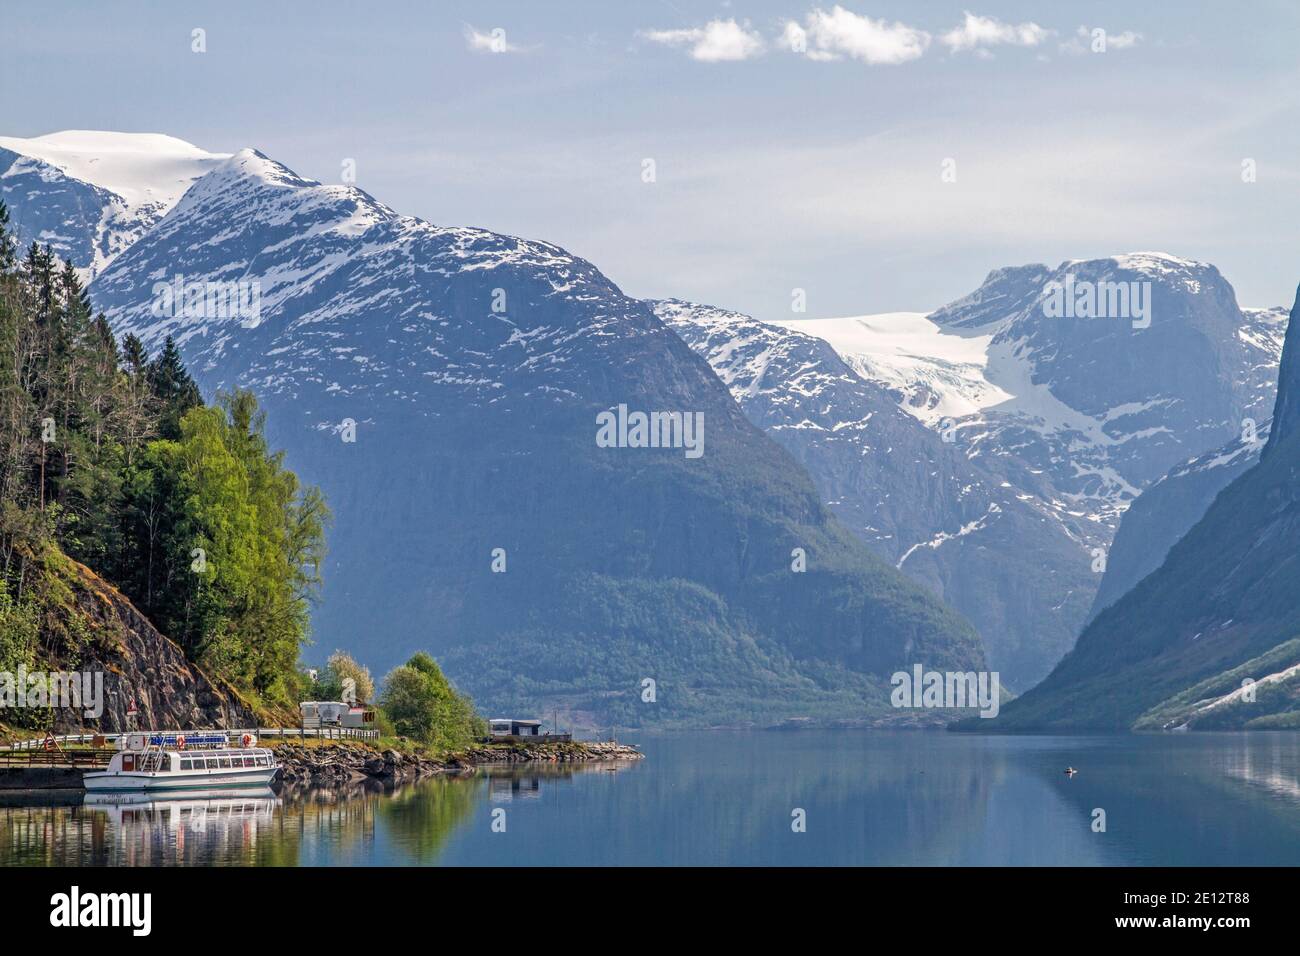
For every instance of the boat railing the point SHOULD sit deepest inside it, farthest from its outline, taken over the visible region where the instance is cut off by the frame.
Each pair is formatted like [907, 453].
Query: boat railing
[263, 733]
[44, 758]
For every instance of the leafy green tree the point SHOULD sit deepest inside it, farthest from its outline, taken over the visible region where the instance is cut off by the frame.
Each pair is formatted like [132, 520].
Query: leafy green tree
[340, 667]
[235, 544]
[423, 705]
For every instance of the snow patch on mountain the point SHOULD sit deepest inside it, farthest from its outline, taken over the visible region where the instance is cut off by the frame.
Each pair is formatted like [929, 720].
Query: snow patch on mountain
[937, 374]
[1095, 408]
[969, 528]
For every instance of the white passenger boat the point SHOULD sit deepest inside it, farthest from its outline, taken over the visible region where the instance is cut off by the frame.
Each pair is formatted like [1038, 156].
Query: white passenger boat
[184, 762]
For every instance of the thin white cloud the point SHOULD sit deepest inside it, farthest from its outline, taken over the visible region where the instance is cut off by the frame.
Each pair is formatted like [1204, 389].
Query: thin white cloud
[977, 33]
[831, 35]
[489, 41]
[1121, 41]
[1098, 40]
[838, 33]
[716, 42]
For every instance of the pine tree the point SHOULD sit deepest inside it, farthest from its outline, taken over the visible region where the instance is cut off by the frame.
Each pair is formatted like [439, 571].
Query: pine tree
[8, 245]
[172, 386]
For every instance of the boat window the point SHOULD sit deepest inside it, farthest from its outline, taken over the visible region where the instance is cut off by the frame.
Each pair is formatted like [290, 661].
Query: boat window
[213, 763]
[187, 764]
[225, 762]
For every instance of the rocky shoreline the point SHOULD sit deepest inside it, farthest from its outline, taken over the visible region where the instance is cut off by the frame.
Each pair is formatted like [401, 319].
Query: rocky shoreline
[345, 763]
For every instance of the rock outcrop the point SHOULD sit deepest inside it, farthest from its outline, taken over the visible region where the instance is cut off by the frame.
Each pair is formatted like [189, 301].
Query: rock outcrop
[91, 627]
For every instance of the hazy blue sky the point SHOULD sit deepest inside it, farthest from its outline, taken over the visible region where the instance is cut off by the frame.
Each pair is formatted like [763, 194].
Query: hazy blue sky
[775, 169]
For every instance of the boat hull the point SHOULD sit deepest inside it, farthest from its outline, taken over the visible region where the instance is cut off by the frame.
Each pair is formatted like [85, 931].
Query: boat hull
[180, 780]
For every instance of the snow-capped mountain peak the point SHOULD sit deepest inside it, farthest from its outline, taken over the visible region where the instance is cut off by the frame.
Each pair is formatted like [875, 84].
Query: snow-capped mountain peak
[1160, 264]
[274, 195]
[91, 194]
[141, 168]
[1103, 403]
[280, 274]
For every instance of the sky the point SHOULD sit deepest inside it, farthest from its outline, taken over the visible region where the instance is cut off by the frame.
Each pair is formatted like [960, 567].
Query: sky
[876, 156]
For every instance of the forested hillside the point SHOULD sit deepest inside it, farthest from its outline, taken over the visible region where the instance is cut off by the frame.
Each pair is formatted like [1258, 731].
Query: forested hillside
[110, 456]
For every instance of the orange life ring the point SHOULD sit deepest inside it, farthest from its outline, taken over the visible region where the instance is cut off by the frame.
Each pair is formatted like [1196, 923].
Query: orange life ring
[247, 740]
[180, 742]
[50, 745]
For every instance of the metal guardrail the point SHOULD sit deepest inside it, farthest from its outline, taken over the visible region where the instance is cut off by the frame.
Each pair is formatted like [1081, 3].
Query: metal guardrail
[324, 733]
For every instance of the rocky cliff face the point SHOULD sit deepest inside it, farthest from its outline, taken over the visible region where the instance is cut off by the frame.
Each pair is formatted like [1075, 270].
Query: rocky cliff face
[138, 663]
[1286, 413]
[1168, 509]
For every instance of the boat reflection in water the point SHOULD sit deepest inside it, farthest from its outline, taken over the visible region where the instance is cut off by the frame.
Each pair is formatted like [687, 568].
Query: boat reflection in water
[194, 808]
[182, 827]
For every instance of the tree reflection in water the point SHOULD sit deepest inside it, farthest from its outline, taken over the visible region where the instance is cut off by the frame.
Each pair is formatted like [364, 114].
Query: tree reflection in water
[298, 825]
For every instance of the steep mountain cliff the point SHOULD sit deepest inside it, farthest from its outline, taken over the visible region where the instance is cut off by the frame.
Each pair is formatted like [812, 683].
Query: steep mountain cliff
[445, 387]
[1210, 639]
[1168, 509]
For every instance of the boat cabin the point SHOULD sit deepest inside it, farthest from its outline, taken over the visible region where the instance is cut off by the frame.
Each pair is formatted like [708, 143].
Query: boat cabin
[173, 761]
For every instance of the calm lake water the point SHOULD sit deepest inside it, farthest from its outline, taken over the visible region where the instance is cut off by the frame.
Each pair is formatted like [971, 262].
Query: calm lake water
[890, 799]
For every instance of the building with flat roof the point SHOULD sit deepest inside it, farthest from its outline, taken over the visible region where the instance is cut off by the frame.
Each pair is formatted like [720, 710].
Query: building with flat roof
[509, 727]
